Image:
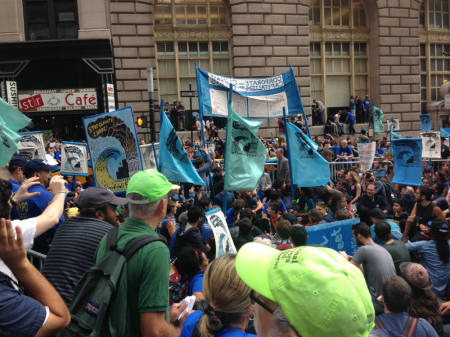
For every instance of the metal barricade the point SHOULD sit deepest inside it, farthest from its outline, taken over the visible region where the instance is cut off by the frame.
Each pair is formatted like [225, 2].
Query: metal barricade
[341, 165]
[271, 168]
[36, 258]
[436, 164]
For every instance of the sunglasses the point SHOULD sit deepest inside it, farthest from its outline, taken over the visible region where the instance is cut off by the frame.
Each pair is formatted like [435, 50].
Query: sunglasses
[267, 304]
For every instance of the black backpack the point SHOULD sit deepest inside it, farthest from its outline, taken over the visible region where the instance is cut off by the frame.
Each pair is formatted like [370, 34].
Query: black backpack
[97, 308]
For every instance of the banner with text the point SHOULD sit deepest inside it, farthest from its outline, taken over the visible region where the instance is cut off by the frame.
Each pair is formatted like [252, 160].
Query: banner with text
[222, 236]
[113, 146]
[252, 98]
[407, 161]
[74, 159]
[431, 144]
[335, 235]
[35, 141]
[366, 154]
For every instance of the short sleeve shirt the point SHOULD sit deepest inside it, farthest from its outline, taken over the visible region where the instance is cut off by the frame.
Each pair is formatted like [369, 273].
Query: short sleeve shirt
[196, 284]
[147, 272]
[343, 151]
[20, 315]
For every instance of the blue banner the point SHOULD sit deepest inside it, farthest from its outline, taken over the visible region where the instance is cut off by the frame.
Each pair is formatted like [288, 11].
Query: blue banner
[252, 98]
[395, 135]
[307, 166]
[174, 162]
[113, 146]
[425, 120]
[335, 235]
[407, 161]
[445, 132]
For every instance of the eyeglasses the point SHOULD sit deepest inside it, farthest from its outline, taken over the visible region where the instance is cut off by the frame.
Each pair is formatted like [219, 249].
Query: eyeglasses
[267, 304]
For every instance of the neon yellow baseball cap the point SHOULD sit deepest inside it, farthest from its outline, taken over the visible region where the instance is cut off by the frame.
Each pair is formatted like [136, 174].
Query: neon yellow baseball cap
[151, 184]
[318, 290]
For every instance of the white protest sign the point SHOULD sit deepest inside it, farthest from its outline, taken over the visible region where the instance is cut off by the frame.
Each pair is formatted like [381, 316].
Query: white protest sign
[366, 153]
[74, 159]
[222, 236]
[431, 144]
[148, 156]
[33, 140]
[393, 124]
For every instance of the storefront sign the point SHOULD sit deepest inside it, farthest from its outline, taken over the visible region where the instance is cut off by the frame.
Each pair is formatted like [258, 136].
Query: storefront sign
[9, 92]
[58, 100]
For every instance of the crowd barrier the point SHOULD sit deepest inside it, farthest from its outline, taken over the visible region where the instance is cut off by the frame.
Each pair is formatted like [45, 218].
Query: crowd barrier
[339, 165]
[435, 164]
[36, 258]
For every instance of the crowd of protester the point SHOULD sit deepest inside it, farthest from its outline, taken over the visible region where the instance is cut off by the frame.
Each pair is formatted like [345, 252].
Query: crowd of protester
[396, 284]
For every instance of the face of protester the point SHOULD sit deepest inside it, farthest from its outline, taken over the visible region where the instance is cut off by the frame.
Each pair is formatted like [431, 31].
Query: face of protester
[426, 182]
[397, 208]
[370, 191]
[343, 143]
[342, 203]
[44, 177]
[357, 240]
[111, 215]
[19, 175]
[417, 194]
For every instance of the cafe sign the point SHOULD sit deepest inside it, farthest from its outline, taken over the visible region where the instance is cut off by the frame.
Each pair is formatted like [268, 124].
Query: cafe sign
[58, 100]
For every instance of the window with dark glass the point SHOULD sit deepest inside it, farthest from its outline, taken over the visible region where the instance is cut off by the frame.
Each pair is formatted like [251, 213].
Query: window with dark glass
[50, 19]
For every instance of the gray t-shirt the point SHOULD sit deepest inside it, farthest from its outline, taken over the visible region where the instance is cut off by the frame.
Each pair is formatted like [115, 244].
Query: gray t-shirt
[378, 266]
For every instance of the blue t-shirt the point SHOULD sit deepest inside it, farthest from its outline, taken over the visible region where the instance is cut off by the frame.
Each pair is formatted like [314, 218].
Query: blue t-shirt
[343, 151]
[283, 208]
[34, 207]
[351, 117]
[58, 155]
[15, 185]
[231, 217]
[196, 284]
[395, 322]
[191, 321]
[366, 104]
[20, 315]
[395, 230]
[229, 197]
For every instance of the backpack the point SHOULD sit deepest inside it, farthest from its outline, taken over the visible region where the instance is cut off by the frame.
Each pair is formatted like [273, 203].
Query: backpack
[96, 296]
[178, 289]
[408, 330]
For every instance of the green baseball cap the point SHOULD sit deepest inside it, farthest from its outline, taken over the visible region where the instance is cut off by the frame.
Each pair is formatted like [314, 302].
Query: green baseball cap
[319, 291]
[151, 184]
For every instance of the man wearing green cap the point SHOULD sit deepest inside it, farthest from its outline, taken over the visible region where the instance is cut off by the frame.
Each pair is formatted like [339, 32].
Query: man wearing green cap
[148, 269]
[314, 289]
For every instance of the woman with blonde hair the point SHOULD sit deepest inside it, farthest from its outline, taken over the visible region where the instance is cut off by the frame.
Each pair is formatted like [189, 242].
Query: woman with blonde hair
[228, 304]
[353, 186]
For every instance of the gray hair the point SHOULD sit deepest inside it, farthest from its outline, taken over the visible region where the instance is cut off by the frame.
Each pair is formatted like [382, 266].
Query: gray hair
[142, 210]
[282, 325]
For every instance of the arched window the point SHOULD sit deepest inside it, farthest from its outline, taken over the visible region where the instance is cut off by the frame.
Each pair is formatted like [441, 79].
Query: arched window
[339, 51]
[186, 32]
[434, 49]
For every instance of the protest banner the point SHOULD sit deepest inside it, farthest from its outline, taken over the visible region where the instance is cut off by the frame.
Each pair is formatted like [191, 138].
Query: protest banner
[33, 140]
[366, 154]
[335, 235]
[407, 161]
[426, 122]
[245, 155]
[308, 168]
[174, 162]
[74, 160]
[222, 236]
[252, 98]
[431, 144]
[393, 124]
[113, 147]
[148, 156]
[378, 115]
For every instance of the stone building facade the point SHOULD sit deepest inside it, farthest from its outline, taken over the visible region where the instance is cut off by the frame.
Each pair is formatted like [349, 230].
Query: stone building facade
[387, 49]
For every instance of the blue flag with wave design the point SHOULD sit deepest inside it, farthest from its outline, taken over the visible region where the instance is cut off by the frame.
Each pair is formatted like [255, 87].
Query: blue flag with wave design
[407, 161]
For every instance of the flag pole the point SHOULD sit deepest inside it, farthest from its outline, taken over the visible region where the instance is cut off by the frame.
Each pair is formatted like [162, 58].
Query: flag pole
[154, 155]
[290, 161]
[224, 200]
[161, 112]
[200, 109]
[303, 110]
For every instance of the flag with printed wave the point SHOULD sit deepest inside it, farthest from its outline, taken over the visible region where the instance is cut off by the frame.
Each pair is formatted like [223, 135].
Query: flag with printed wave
[377, 115]
[11, 121]
[407, 161]
[308, 167]
[245, 153]
[174, 162]
[395, 135]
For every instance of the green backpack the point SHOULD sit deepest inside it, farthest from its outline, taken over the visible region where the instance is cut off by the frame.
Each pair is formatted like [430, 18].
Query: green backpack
[96, 296]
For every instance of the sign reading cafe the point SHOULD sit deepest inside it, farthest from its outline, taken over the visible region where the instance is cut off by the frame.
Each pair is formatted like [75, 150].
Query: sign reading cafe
[58, 100]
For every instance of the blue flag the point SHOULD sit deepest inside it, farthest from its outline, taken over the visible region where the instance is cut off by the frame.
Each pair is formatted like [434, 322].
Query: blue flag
[335, 235]
[395, 135]
[245, 155]
[377, 115]
[307, 166]
[425, 120]
[445, 132]
[407, 161]
[11, 121]
[174, 162]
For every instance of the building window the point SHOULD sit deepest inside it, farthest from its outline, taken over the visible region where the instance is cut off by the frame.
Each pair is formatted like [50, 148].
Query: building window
[437, 13]
[339, 69]
[50, 19]
[192, 12]
[176, 65]
[337, 13]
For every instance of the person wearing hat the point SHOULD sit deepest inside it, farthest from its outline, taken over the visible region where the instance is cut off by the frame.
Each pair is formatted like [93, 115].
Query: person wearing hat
[376, 216]
[424, 303]
[148, 269]
[395, 321]
[75, 243]
[15, 167]
[36, 205]
[313, 291]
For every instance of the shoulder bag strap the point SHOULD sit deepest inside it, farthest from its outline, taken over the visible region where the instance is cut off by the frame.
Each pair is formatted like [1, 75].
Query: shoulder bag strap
[134, 245]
